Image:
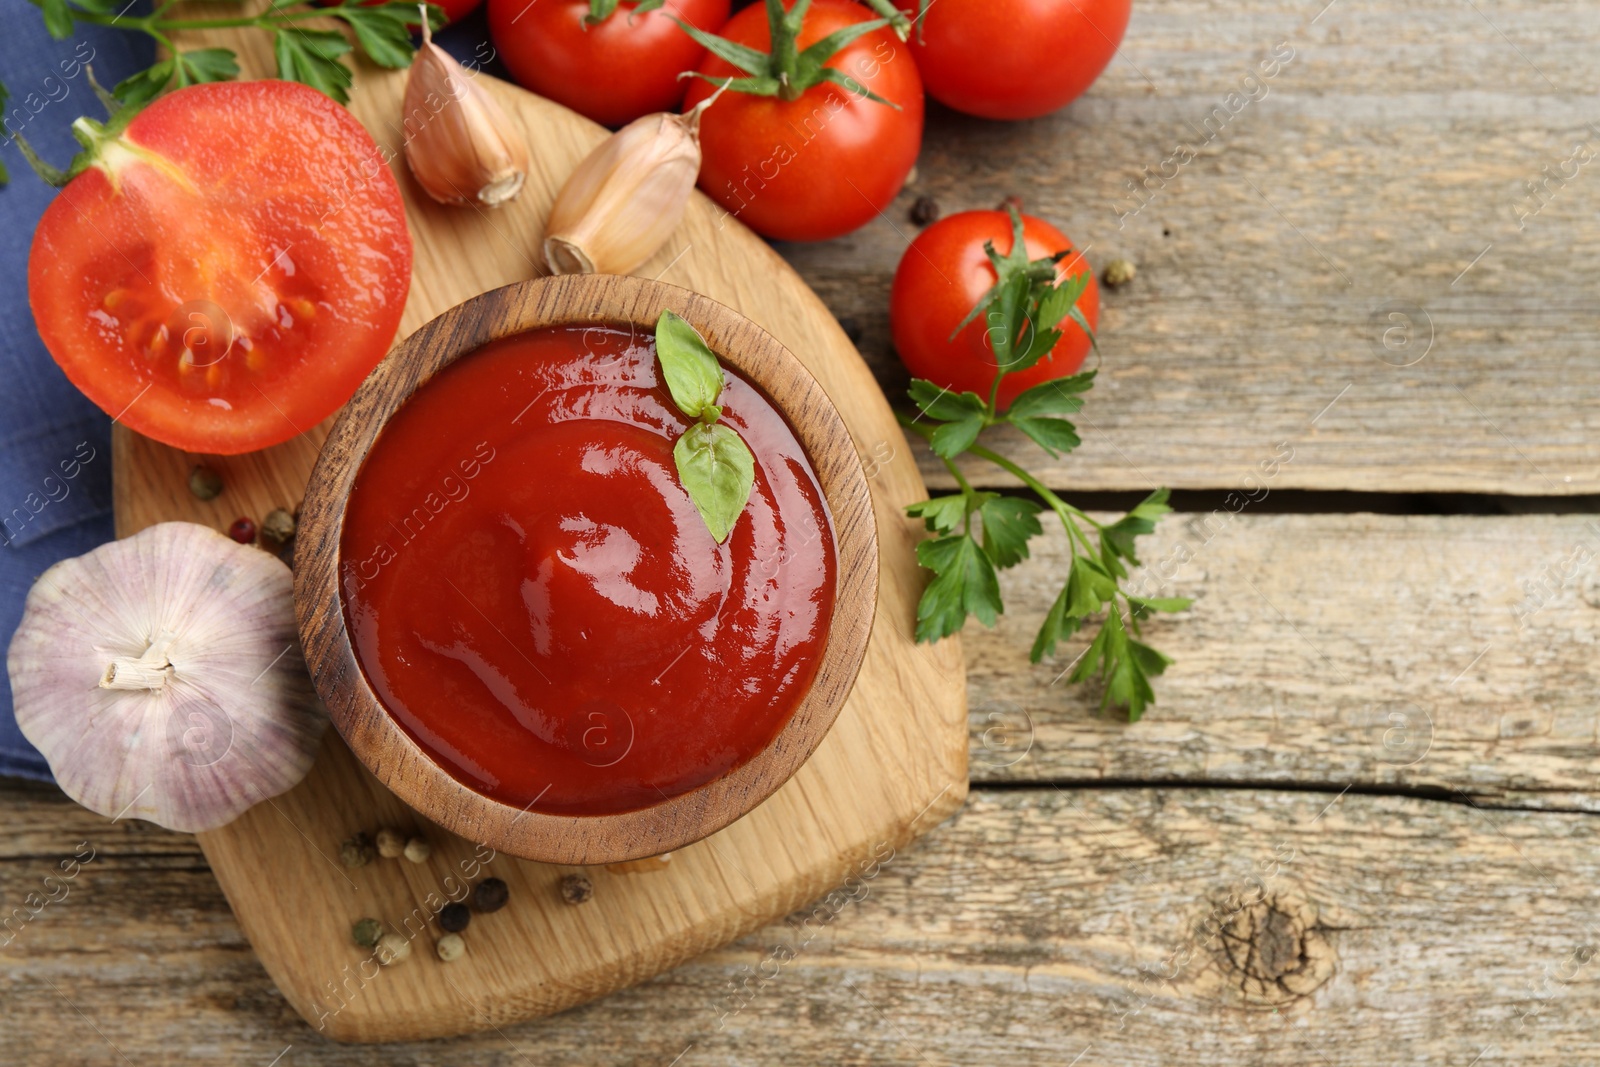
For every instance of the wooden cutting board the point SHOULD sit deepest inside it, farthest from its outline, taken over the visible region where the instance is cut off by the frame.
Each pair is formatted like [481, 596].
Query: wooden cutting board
[893, 766]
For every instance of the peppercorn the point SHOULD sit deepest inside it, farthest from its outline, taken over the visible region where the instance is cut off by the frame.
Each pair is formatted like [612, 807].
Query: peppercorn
[205, 483]
[391, 843]
[1012, 201]
[392, 948]
[366, 933]
[451, 946]
[277, 527]
[925, 211]
[418, 850]
[1118, 272]
[357, 851]
[243, 531]
[490, 895]
[575, 888]
[454, 917]
[852, 328]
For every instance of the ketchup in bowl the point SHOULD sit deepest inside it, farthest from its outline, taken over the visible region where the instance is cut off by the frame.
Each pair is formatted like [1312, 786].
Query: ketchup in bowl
[534, 598]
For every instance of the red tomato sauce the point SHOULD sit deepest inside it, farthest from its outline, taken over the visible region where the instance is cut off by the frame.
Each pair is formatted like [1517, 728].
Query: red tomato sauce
[535, 599]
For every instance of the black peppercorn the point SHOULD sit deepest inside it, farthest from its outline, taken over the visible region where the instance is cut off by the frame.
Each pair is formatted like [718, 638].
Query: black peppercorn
[925, 211]
[453, 918]
[575, 888]
[490, 895]
[1012, 201]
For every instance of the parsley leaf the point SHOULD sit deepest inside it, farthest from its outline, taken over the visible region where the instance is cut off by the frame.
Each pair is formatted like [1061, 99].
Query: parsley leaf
[1116, 540]
[964, 416]
[312, 57]
[964, 584]
[382, 32]
[944, 513]
[1008, 522]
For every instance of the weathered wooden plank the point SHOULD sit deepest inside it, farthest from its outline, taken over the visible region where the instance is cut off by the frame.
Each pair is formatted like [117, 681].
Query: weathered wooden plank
[1390, 152]
[1040, 925]
[1454, 653]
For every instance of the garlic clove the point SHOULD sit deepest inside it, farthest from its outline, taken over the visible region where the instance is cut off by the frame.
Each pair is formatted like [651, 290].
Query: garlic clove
[460, 144]
[161, 678]
[627, 196]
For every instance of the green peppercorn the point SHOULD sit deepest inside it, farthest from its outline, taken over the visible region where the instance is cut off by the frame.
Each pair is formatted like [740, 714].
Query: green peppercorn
[490, 895]
[366, 933]
[205, 483]
[358, 851]
[454, 917]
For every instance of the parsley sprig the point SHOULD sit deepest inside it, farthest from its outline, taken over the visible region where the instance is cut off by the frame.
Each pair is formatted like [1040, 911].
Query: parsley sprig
[981, 533]
[309, 54]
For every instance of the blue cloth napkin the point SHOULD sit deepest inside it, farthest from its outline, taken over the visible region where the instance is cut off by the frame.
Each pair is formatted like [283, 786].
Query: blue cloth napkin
[55, 446]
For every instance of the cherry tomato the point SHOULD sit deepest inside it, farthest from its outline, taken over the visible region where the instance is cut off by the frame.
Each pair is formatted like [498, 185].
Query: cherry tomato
[230, 269]
[456, 10]
[1014, 59]
[613, 71]
[940, 279]
[823, 164]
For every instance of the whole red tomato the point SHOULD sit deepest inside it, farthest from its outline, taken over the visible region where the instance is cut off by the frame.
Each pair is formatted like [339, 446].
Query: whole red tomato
[826, 162]
[1014, 59]
[614, 70]
[943, 275]
[229, 270]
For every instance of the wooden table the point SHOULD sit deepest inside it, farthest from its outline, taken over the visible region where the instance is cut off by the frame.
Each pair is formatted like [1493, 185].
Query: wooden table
[1359, 825]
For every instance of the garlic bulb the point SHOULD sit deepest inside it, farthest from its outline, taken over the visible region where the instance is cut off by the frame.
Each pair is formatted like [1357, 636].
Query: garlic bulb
[627, 196]
[460, 145]
[161, 677]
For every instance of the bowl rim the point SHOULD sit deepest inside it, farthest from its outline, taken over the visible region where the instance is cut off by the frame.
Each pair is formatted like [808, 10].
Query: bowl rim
[376, 737]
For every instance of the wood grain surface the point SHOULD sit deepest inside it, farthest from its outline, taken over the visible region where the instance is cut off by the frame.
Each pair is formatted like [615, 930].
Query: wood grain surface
[1063, 915]
[386, 749]
[1383, 160]
[1448, 653]
[1141, 926]
[893, 765]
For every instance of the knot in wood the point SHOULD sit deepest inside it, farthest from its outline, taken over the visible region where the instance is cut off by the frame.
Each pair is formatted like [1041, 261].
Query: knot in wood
[1272, 949]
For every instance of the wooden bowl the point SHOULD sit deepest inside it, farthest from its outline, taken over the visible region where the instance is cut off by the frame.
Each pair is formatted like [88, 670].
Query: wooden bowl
[391, 754]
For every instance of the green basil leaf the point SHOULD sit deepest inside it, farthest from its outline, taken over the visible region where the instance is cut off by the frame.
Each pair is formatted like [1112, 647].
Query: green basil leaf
[693, 376]
[717, 470]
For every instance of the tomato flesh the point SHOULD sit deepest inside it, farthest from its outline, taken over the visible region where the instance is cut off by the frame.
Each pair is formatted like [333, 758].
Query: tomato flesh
[539, 605]
[612, 72]
[943, 275]
[1015, 59]
[826, 163]
[230, 271]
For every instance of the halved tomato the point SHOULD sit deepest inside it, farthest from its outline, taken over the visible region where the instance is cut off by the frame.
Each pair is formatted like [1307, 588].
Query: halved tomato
[228, 269]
